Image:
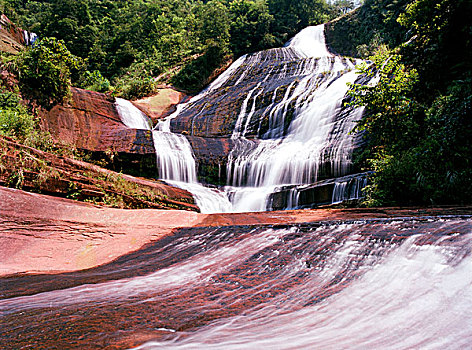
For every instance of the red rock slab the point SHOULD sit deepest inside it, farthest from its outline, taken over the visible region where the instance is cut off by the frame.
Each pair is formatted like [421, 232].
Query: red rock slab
[39, 233]
[317, 215]
[161, 104]
[90, 121]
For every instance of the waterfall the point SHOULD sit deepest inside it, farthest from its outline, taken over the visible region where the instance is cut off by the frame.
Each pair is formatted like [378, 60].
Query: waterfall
[176, 166]
[29, 37]
[289, 125]
[131, 116]
[317, 133]
[175, 159]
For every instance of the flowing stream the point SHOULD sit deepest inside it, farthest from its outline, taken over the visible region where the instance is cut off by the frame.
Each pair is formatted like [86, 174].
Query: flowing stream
[366, 284]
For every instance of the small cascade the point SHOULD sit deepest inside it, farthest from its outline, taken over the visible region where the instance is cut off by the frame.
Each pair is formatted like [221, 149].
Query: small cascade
[29, 37]
[176, 165]
[349, 190]
[174, 157]
[209, 200]
[131, 116]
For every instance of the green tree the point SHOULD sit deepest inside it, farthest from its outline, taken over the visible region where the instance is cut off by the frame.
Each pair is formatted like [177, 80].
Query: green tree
[250, 26]
[214, 24]
[392, 115]
[45, 72]
[292, 16]
[444, 158]
[392, 127]
[441, 46]
[344, 6]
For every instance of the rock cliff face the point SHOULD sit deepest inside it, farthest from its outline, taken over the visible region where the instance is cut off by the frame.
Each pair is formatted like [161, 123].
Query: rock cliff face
[11, 38]
[91, 122]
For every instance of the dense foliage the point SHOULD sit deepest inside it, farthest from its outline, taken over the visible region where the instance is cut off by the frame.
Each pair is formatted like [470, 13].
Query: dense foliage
[418, 119]
[131, 43]
[45, 71]
[360, 33]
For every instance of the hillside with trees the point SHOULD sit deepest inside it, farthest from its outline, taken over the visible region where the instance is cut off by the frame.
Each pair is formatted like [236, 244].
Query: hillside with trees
[130, 43]
[418, 122]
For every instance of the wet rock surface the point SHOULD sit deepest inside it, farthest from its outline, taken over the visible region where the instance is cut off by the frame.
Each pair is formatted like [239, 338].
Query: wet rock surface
[190, 282]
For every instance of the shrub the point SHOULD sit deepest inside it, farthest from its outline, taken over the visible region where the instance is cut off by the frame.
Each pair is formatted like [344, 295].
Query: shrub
[95, 81]
[45, 72]
[15, 121]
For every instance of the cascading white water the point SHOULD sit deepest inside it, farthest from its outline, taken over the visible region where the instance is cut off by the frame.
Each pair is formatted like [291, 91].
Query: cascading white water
[131, 116]
[29, 37]
[175, 160]
[348, 190]
[302, 131]
[403, 283]
[294, 158]
[176, 165]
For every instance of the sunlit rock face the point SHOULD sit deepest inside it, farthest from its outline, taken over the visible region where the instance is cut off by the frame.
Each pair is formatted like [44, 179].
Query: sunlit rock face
[161, 104]
[91, 121]
[12, 38]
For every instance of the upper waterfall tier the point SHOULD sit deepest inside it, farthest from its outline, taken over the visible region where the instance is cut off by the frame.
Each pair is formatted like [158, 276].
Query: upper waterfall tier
[265, 84]
[310, 42]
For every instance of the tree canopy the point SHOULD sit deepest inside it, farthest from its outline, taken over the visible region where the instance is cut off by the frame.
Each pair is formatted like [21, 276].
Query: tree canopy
[129, 42]
[418, 120]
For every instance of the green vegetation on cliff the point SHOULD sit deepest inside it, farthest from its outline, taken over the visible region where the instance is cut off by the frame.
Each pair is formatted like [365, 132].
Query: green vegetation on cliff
[418, 118]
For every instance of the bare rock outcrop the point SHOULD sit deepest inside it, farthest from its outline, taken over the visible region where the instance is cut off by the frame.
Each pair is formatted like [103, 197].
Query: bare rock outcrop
[90, 121]
[43, 233]
[11, 37]
[162, 104]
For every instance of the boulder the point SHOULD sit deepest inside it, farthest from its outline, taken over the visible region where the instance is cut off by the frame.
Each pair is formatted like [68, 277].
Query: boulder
[160, 105]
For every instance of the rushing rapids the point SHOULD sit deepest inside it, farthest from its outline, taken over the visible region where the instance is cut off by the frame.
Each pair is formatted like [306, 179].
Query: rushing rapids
[283, 111]
[390, 284]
